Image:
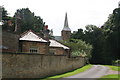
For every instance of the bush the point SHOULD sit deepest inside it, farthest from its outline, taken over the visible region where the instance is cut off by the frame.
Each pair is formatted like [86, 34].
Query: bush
[116, 62]
[79, 48]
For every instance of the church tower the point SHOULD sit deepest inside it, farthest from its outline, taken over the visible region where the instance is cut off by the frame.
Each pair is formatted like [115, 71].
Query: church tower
[66, 32]
[119, 4]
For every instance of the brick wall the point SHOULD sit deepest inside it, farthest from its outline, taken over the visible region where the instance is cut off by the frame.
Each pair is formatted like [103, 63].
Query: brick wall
[58, 51]
[36, 65]
[11, 41]
[43, 48]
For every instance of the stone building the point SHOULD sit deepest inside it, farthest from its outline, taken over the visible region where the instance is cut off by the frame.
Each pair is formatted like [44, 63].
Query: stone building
[58, 48]
[66, 31]
[32, 43]
[119, 4]
[10, 42]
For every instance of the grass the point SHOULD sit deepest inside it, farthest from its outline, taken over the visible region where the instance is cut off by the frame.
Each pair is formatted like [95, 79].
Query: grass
[70, 73]
[115, 68]
[110, 77]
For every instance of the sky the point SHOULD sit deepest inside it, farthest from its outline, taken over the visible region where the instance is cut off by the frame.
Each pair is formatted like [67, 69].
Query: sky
[80, 12]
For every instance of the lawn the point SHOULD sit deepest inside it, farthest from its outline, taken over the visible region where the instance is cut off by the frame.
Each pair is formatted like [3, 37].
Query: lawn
[70, 73]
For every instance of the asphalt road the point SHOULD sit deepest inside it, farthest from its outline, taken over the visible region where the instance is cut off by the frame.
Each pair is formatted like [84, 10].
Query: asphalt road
[95, 72]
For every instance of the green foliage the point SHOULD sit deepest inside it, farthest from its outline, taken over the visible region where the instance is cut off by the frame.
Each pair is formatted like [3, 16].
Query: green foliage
[79, 47]
[105, 40]
[78, 35]
[4, 14]
[27, 20]
[110, 77]
[112, 32]
[5, 19]
[94, 36]
[116, 62]
[24, 19]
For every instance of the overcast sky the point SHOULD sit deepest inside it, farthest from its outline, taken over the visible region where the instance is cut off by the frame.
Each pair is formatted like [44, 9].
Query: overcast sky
[80, 12]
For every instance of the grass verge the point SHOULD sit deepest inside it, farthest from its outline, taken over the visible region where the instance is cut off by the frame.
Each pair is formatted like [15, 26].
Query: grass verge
[70, 73]
[115, 68]
[110, 77]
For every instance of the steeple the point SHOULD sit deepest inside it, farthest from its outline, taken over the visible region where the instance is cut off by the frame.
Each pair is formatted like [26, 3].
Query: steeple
[66, 26]
[66, 32]
[119, 4]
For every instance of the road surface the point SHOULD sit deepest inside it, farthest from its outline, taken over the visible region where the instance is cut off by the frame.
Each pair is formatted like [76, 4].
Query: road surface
[95, 72]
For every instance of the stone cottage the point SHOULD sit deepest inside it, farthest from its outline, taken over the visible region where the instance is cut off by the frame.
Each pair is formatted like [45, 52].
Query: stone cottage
[32, 43]
[58, 48]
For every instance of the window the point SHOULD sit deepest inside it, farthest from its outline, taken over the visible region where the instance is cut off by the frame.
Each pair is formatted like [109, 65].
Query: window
[33, 50]
[52, 51]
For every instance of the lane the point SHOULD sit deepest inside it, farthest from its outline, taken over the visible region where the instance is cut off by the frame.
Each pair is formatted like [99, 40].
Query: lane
[95, 72]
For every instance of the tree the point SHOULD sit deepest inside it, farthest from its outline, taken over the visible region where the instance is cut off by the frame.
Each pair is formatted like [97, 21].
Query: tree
[94, 36]
[79, 47]
[112, 29]
[105, 40]
[78, 35]
[27, 20]
[4, 14]
[6, 20]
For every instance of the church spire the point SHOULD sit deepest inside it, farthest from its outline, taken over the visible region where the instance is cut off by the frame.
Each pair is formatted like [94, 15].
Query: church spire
[119, 4]
[66, 26]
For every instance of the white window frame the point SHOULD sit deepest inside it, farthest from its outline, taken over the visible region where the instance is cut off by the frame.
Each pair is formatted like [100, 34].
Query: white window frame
[33, 50]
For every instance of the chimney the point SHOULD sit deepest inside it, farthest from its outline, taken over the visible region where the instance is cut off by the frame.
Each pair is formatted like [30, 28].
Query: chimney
[46, 32]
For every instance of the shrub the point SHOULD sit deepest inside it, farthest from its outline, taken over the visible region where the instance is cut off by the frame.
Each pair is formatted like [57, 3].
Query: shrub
[79, 48]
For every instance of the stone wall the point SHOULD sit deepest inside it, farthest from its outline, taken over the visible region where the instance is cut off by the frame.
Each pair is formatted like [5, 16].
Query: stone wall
[37, 65]
[11, 41]
[65, 35]
[43, 48]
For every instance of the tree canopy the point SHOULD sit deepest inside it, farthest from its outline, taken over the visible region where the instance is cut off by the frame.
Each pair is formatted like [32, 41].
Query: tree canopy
[79, 48]
[105, 40]
[112, 31]
[27, 20]
[22, 20]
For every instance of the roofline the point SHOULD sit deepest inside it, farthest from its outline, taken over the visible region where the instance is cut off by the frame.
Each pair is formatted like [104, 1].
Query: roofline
[34, 41]
[58, 47]
[61, 43]
[22, 34]
[29, 31]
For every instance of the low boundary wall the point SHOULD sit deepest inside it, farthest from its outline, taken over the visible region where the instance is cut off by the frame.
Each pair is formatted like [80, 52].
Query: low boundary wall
[36, 65]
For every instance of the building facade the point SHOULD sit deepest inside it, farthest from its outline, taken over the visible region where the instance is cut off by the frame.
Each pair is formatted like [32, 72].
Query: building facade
[32, 43]
[58, 48]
